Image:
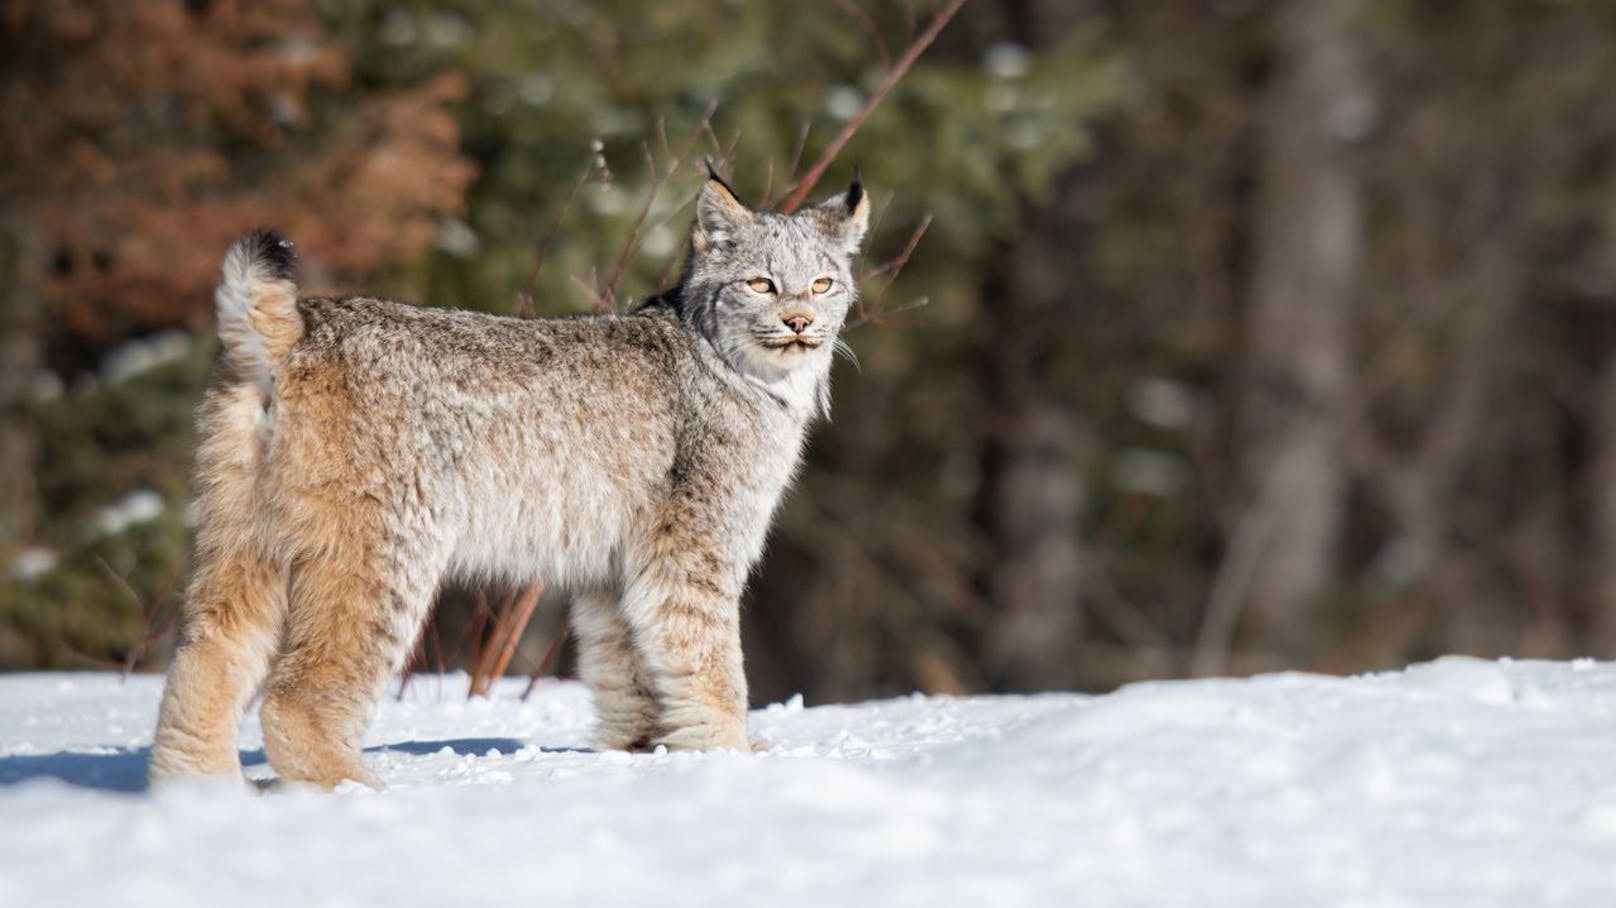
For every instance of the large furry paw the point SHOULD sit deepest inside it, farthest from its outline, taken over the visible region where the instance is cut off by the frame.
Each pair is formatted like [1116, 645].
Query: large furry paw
[632, 739]
[627, 721]
[301, 749]
[727, 736]
[169, 764]
[332, 774]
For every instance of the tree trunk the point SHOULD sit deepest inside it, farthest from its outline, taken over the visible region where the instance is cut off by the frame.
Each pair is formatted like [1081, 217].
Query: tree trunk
[1602, 638]
[1282, 555]
[1030, 499]
[21, 352]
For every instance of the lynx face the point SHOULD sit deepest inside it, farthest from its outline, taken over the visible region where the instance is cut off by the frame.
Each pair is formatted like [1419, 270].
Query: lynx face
[771, 291]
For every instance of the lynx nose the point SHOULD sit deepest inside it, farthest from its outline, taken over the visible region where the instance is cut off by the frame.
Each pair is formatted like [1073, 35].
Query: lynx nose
[798, 322]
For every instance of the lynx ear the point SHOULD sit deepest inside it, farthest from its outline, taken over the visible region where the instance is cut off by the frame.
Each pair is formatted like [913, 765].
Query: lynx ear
[847, 214]
[719, 213]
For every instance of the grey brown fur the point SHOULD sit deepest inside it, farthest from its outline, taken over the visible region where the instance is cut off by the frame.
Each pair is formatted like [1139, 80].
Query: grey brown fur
[354, 452]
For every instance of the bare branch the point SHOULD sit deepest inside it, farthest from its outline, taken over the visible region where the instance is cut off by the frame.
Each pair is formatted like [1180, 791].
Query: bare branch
[608, 294]
[542, 251]
[891, 79]
[717, 147]
[591, 289]
[897, 262]
[150, 629]
[548, 662]
[607, 297]
[884, 317]
[728, 154]
[894, 266]
[520, 614]
[868, 24]
[791, 171]
[673, 263]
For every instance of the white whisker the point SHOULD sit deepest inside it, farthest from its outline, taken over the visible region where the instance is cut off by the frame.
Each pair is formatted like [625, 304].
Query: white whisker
[841, 346]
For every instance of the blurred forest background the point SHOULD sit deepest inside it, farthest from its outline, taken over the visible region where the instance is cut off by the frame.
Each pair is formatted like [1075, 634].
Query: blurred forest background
[1260, 334]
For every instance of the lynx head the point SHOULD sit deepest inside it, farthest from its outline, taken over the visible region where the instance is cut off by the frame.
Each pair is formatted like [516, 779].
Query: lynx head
[771, 291]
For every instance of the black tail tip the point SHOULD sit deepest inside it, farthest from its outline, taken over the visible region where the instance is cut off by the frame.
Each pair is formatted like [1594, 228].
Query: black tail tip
[274, 250]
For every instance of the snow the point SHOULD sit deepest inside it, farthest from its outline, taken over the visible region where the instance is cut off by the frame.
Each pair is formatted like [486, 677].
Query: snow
[1458, 782]
[137, 507]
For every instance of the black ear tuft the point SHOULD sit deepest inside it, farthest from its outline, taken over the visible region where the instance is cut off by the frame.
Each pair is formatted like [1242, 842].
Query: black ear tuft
[714, 177]
[274, 250]
[855, 190]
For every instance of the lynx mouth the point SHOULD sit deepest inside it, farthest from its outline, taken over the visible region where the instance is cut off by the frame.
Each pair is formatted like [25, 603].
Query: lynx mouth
[792, 344]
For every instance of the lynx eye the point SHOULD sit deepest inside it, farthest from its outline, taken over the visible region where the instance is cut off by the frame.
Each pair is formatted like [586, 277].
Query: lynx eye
[761, 285]
[822, 285]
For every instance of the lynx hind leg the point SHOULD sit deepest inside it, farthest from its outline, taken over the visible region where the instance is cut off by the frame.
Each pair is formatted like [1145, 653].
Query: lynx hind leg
[231, 621]
[350, 624]
[233, 608]
[607, 661]
[685, 622]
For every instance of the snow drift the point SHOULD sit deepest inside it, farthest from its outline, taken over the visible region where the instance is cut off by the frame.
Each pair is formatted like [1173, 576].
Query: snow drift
[1458, 782]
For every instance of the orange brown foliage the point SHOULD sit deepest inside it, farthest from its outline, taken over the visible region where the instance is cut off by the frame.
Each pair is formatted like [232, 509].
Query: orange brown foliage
[142, 137]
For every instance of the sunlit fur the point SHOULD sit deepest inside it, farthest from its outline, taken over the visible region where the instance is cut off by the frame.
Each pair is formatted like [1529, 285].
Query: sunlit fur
[354, 452]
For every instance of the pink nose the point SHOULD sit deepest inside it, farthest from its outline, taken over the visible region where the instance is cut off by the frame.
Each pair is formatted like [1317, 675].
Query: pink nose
[798, 323]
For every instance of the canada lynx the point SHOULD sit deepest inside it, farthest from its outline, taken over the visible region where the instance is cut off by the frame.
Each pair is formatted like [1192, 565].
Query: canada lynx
[353, 452]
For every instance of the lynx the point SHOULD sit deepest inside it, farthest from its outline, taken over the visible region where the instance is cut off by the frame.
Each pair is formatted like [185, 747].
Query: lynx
[354, 452]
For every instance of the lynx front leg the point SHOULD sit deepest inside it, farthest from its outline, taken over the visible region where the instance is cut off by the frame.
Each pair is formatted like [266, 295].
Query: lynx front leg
[686, 626]
[610, 666]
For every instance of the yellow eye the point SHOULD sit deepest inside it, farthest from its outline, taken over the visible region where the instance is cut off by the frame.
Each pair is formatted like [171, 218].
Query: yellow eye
[822, 285]
[761, 285]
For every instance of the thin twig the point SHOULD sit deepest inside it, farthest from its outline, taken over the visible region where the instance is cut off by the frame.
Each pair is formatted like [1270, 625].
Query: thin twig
[721, 164]
[550, 655]
[608, 295]
[791, 172]
[897, 262]
[487, 648]
[891, 79]
[631, 244]
[542, 251]
[864, 20]
[662, 137]
[479, 619]
[884, 319]
[768, 182]
[593, 292]
[148, 613]
[895, 266]
[717, 147]
[417, 657]
[673, 263]
[477, 631]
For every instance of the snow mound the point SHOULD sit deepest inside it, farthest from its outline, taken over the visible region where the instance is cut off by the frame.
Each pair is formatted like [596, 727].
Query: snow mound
[1457, 782]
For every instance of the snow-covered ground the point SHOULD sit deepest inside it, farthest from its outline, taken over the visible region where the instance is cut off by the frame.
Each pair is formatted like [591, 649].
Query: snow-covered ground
[1459, 782]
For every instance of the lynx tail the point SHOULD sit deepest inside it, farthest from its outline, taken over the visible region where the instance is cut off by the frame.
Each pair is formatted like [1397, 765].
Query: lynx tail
[257, 303]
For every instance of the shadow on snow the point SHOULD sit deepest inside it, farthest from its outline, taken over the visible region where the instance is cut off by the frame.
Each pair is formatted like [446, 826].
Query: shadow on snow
[124, 768]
